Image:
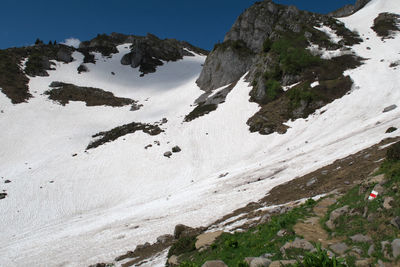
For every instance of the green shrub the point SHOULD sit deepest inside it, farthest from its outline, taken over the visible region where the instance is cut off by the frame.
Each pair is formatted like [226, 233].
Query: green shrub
[319, 258]
[267, 45]
[301, 93]
[272, 89]
[183, 245]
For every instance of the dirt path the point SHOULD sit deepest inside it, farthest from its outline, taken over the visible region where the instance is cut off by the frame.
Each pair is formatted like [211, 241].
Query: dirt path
[311, 229]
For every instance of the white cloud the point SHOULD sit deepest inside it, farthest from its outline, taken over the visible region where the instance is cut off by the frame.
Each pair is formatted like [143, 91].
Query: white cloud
[72, 42]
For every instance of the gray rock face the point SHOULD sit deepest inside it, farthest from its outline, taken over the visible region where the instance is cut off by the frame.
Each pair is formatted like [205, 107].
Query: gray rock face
[224, 65]
[236, 55]
[334, 215]
[396, 222]
[148, 52]
[359, 238]
[299, 244]
[214, 264]
[260, 262]
[339, 248]
[396, 248]
[347, 10]
[389, 108]
[64, 55]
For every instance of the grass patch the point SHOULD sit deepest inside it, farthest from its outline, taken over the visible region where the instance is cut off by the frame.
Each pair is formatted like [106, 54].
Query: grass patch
[233, 248]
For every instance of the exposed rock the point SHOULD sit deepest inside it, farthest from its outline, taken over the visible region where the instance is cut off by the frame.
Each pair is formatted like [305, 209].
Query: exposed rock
[389, 108]
[339, 248]
[376, 179]
[347, 10]
[149, 51]
[387, 201]
[311, 182]
[386, 24]
[117, 132]
[265, 218]
[173, 260]
[385, 249]
[396, 222]
[260, 262]
[7, 181]
[143, 246]
[371, 250]
[63, 93]
[299, 244]
[207, 239]
[282, 232]
[176, 149]
[64, 54]
[168, 154]
[363, 263]
[396, 248]
[336, 214]
[248, 260]
[82, 68]
[282, 263]
[214, 264]
[3, 195]
[359, 238]
[185, 231]
[379, 189]
[165, 239]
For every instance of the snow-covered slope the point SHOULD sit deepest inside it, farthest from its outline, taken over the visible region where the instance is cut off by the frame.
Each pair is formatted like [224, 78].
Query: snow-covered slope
[64, 210]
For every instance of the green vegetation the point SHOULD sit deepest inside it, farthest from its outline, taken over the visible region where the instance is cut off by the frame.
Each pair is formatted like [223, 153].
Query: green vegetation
[183, 245]
[385, 24]
[293, 55]
[272, 89]
[369, 217]
[13, 81]
[233, 248]
[34, 65]
[319, 258]
[301, 93]
[238, 46]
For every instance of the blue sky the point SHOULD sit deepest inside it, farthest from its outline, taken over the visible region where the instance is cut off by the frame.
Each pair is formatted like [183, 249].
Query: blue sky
[202, 23]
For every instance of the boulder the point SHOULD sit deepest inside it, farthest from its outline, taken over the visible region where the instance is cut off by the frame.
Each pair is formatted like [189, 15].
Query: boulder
[260, 262]
[64, 55]
[359, 238]
[396, 248]
[378, 188]
[339, 248]
[298, 244]
[207, 239]
[7, 181]
[389, 108]
[3, 195]
[173, 261]
[336, 214]
[248, 260]
[185, 231]
[363, 263]
[282, 263]
[214, 264]
[387, 201]
[396, 222]
[168, 154]
[371, 250]
[176, 149]
[165, 239]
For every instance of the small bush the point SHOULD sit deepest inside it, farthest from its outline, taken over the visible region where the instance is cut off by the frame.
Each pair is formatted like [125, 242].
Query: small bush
[319, 258]
[267, 45]
[272, 89]
[183, 245]
[301, 93]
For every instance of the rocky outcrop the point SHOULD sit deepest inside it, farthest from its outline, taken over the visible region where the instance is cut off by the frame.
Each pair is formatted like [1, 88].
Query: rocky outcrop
[246, 40]
[149, 51]
[347, 10]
